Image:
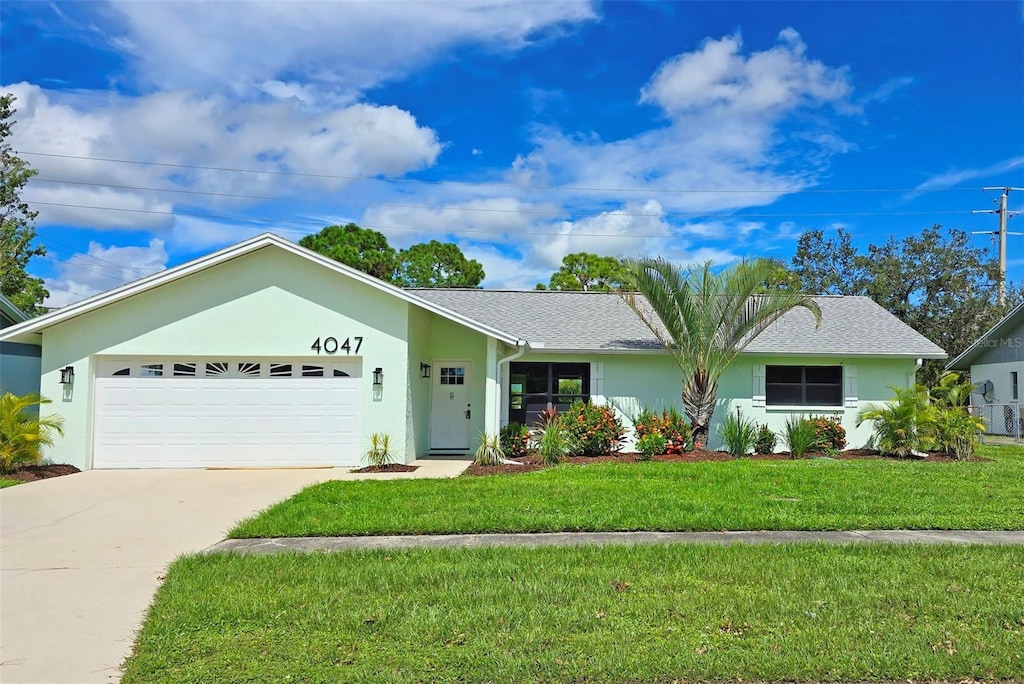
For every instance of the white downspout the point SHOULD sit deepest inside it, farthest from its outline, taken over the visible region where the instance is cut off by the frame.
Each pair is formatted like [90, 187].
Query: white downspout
[522, 346]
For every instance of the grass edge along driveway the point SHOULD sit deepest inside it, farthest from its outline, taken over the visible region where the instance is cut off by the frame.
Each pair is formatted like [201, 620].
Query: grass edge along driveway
[657, 613]
[814, 494]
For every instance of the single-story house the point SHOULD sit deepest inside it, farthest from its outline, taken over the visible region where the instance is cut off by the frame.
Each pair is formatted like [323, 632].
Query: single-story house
[19, 363]
[268, 354]
[995, 362]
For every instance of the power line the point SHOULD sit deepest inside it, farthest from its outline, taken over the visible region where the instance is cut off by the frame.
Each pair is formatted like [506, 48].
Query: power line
[92, 268]
[505, 232]
[403, 206]
[571, 188]
[1004, 214]
[91, 257]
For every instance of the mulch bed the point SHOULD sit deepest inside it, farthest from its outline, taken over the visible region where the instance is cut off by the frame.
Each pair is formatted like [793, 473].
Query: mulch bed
[41, 472]
[389, 468]
[531, 464]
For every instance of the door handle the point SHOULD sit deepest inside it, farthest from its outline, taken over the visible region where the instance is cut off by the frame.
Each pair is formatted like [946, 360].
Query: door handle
[468, 414]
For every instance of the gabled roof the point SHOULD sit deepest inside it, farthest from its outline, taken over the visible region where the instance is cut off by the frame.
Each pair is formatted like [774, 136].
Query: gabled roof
[557, 321]
[602, 322]
[263, 241]
[963, 362]
[11, 311]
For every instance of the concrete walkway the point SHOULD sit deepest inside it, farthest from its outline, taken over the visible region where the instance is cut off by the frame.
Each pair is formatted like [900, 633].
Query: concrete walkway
[81, 555]
[462, 541]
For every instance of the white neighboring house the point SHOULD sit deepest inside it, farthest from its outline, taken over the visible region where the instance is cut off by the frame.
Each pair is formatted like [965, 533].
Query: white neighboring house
[996, 365]
[19, 362]
[267, 354]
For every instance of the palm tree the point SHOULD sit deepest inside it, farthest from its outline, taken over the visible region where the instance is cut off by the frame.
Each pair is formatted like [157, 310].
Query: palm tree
[22, 434]
[705, 320]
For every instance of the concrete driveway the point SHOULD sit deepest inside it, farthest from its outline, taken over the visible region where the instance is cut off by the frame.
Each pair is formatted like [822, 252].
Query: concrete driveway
[81, 555]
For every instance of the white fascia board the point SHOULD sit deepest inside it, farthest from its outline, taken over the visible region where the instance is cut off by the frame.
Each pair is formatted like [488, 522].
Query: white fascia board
[859, 355]
[13, 312]
[233, 252]
[662, 350]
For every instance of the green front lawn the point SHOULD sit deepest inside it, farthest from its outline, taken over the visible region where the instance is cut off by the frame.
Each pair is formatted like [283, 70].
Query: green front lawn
[594, 614]
[4, 482]
[732, 495]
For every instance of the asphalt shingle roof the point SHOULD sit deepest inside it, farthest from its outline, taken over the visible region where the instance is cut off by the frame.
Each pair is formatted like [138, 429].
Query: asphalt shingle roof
[594, 321]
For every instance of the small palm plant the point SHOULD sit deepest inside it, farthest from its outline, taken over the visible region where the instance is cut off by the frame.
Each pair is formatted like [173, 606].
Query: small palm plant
[379, 454]
[22, 434]
[489, 453]
[903, 424]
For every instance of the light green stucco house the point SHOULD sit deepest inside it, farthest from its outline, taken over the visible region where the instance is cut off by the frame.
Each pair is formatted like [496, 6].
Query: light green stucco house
[268, 354]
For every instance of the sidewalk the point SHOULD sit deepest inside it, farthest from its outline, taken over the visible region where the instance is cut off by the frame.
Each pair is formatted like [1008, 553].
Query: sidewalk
[456, 541]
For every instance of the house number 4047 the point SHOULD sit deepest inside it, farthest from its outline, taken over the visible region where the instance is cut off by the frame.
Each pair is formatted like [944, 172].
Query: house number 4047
[330, 345]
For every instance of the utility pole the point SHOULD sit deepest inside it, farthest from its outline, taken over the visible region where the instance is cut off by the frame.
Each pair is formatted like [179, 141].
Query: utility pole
[1002, 233]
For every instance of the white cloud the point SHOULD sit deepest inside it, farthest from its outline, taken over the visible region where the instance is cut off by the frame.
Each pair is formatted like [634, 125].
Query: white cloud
[958, 176]
[67, 205]
[493, 215]
[505, 269]
[341, 48]
[103, 268]
[192, 234]
[718, 76]
[738, 134]
[885, 91]
[611, 233]
[184, 128]
[723, 230]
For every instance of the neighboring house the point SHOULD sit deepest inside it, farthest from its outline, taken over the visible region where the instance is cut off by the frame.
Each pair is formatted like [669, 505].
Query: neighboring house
[268, 354]
[19, 363]
[996, 364]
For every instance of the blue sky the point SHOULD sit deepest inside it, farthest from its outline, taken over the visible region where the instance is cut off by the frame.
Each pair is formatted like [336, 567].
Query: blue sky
[522, 131]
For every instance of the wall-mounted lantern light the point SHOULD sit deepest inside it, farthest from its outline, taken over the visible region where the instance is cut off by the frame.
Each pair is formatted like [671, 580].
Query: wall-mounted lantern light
[424, 370]
[378, 377]
[67, 375]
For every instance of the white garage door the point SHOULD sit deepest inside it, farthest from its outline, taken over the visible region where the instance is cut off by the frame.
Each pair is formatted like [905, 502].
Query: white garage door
[193, 413]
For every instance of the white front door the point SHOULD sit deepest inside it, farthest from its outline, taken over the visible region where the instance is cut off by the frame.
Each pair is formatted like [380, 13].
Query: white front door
[450, 409]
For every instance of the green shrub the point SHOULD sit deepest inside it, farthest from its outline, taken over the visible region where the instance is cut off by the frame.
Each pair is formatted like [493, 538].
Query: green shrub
[553, 445]
[952, 428]
[591, 430]
[955, 431]
[650, 445]
[904, 424]
[379, 454]
[670, 424]
[489, 453]
[764, 440]
[828, 432]
[738, 434]
[23, 434]
[951, 390]
[800, 437]
[515, 440]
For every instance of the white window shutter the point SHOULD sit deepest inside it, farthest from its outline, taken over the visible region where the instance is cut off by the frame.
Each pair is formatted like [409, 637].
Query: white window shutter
[850, 386]
[759, 392]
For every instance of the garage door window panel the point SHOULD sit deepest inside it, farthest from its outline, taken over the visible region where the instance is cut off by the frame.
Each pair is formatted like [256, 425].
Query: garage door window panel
[216, 369]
